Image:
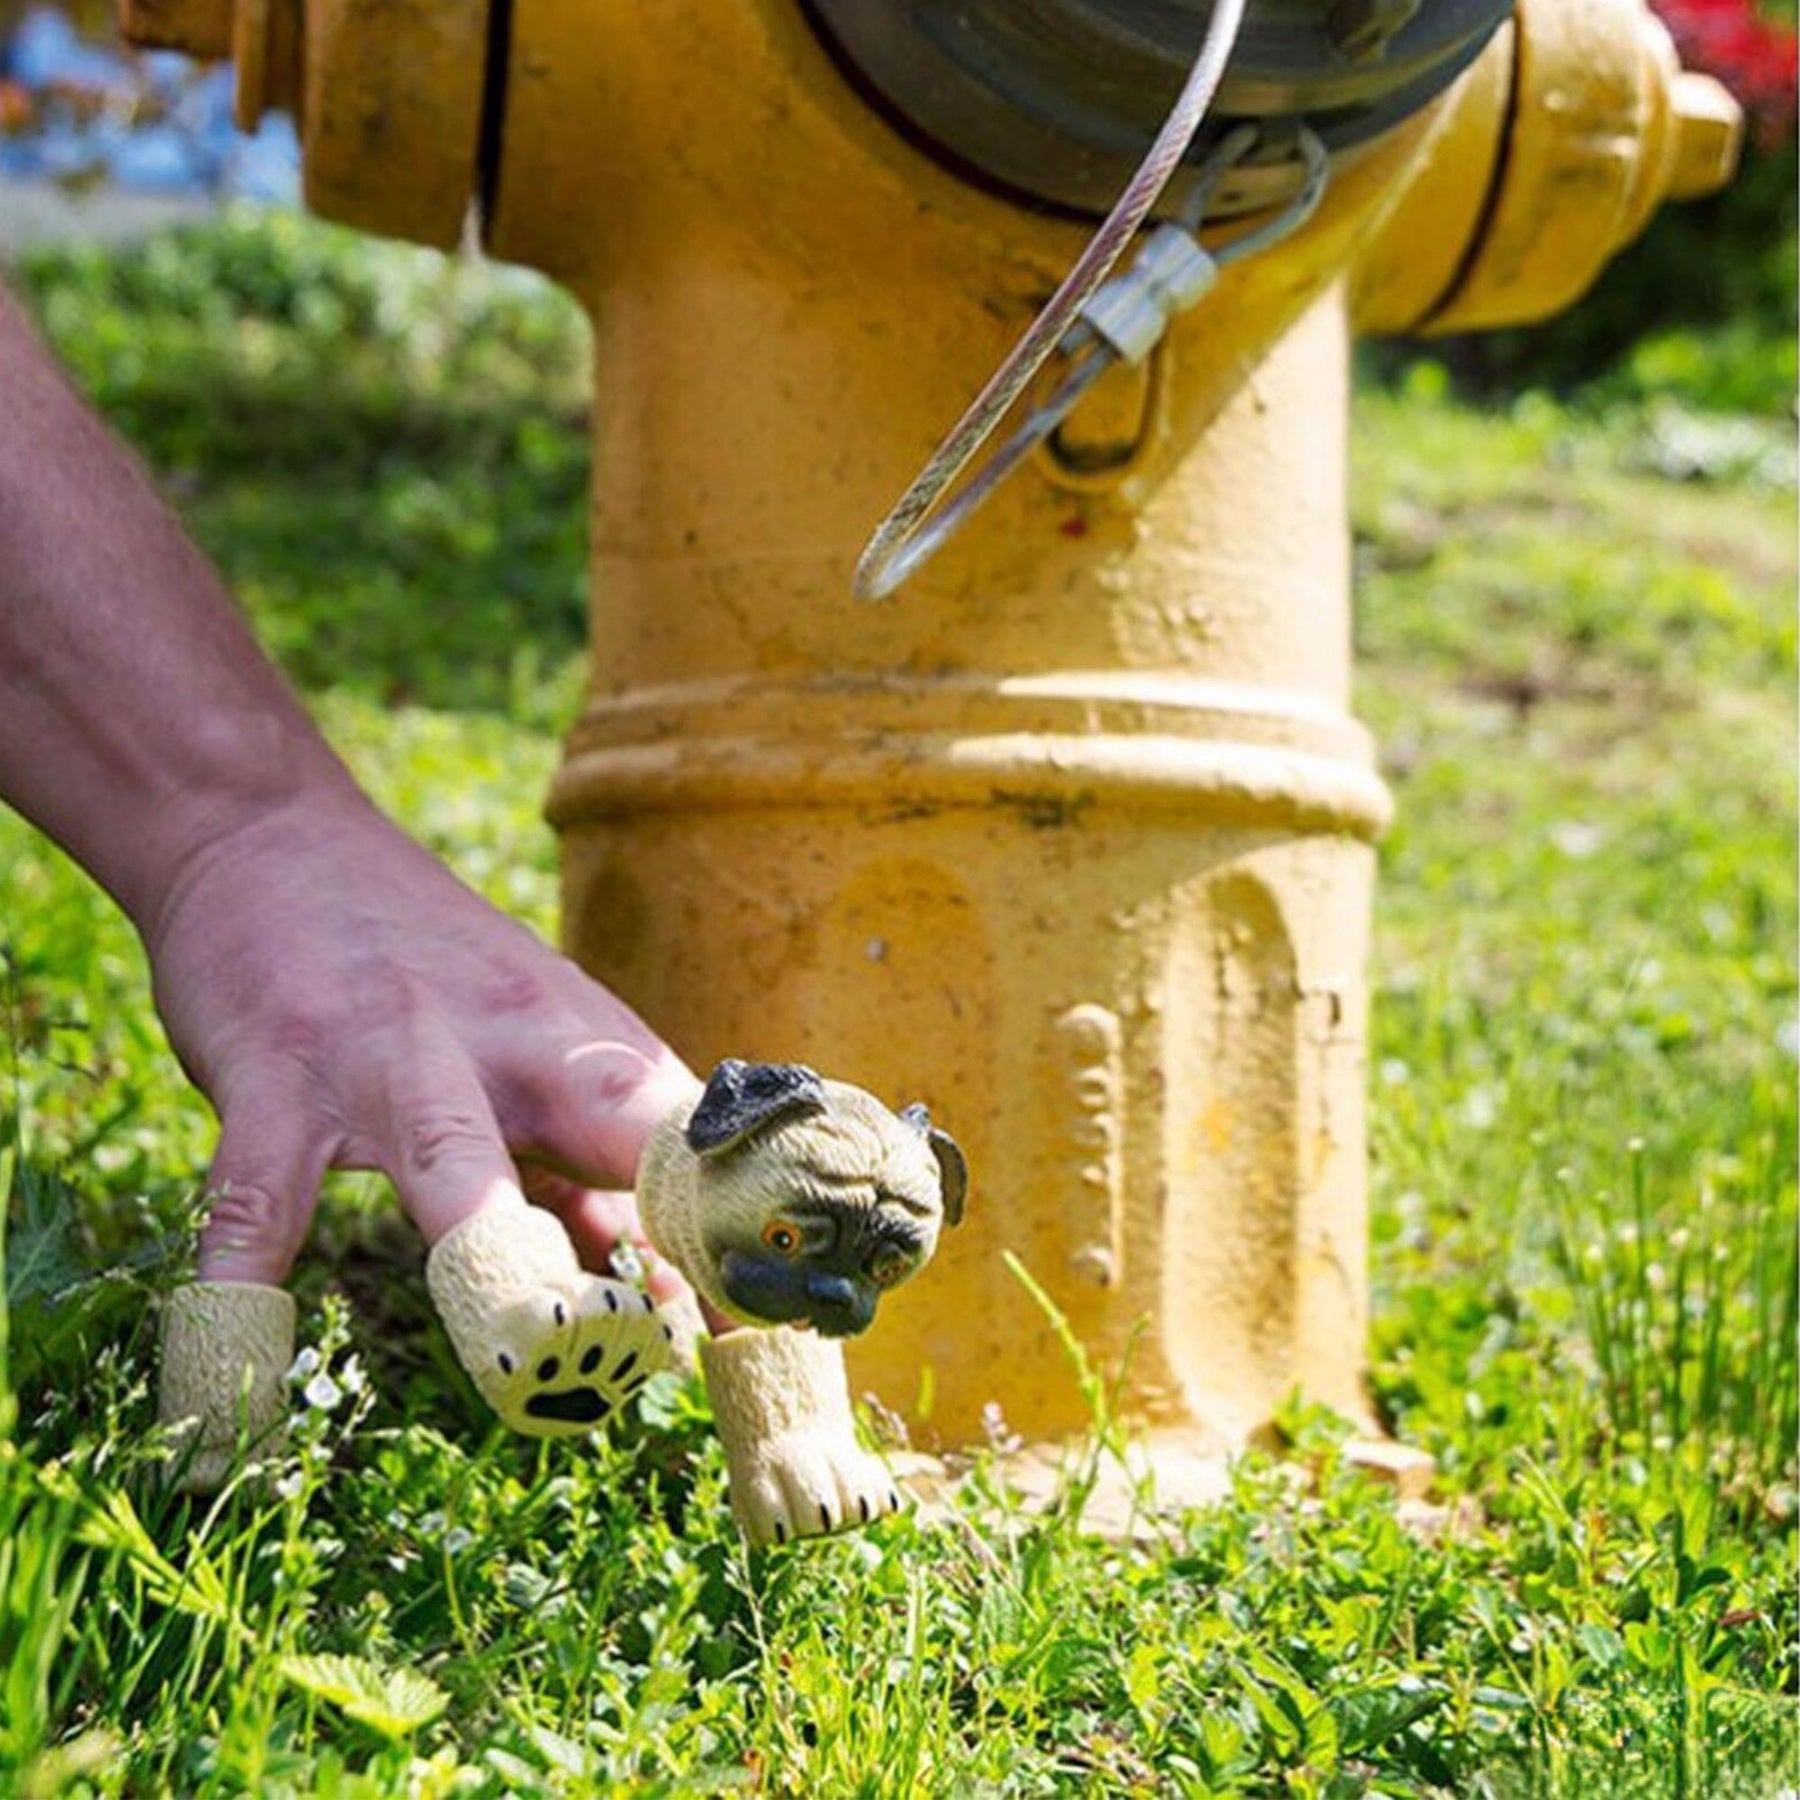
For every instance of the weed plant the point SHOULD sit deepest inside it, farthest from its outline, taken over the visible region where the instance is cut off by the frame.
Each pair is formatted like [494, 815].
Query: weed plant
[1581, 670]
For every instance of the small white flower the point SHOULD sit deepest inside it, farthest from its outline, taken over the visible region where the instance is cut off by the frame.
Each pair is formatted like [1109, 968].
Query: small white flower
[627, 1261]
[1480, 1108]
[1394, 1072]
[305, 1364]
[288, 1487]
[1577, 839]
[457, 1539]
[323, 1392]
[352, 1375]
[999, 1434]
[431, 1523]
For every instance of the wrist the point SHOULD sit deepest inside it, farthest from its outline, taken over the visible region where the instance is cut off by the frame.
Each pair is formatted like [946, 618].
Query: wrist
[232, 779]
[260, 811]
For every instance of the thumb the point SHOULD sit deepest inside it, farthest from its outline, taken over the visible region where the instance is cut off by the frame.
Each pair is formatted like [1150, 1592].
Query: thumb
[603, 1101]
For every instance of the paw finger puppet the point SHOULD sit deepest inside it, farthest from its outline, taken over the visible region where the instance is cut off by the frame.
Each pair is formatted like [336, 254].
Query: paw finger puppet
[794, 1203]
[553, 1350]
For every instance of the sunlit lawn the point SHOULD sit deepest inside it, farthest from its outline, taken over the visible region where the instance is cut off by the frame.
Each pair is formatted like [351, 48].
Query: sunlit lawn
[1582, 672]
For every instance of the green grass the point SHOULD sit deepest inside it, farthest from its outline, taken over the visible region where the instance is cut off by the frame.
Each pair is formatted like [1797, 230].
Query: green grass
[1583, 1119]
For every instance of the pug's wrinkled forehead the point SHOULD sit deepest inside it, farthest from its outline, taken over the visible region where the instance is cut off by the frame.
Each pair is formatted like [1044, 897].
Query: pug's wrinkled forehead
[839, 1135]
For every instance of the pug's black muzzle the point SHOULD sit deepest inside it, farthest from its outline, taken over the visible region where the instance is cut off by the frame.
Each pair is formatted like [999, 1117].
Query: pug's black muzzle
[786, 1293]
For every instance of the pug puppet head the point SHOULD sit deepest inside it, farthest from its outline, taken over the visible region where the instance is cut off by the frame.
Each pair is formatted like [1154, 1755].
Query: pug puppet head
[787, 1199]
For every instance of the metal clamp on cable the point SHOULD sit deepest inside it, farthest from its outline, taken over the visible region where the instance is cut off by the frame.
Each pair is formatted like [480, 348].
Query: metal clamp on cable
[1095, 322]
[1131, 311]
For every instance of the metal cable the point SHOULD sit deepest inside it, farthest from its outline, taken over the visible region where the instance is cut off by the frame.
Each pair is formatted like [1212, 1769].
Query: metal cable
[1219, 161]
[885, 563]
[1091, 356]
[1292, 216]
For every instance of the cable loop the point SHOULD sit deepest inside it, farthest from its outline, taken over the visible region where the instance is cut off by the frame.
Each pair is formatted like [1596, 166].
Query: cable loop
[1093, 321]
[887, 560]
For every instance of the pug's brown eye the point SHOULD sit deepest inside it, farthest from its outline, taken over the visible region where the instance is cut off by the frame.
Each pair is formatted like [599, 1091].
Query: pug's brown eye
[781, 1237]
[889, 1267]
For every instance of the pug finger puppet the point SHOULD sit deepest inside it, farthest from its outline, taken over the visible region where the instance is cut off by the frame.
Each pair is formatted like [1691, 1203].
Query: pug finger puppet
[793, 1203]
[789, 1202]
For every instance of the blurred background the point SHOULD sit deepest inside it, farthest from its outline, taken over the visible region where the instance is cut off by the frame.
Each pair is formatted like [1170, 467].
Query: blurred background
[100, 142]
[1575, 644]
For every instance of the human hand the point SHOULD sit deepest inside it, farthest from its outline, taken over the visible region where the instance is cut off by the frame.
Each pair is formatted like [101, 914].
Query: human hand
[346, 1003]
[342, 1000]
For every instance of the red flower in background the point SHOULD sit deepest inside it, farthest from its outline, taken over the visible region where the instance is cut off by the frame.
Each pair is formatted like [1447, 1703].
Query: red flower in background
[16, 107]
[1754, 58]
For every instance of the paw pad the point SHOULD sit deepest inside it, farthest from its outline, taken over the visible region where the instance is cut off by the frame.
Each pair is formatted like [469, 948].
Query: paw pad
[554, 1350]
[598, 1361]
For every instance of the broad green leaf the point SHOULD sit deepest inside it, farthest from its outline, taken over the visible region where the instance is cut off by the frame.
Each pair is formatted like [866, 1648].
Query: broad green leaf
[394, 1702]
[1143, 1676]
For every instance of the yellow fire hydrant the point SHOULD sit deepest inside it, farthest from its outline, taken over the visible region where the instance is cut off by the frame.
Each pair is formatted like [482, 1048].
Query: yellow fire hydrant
[1073, 839]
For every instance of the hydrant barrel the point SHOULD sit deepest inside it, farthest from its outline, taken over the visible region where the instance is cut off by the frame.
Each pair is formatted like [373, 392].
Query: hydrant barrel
[1105, 913]
[1072, 839]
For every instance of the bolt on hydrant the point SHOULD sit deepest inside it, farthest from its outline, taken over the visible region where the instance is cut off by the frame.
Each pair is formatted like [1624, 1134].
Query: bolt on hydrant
[1073, 836]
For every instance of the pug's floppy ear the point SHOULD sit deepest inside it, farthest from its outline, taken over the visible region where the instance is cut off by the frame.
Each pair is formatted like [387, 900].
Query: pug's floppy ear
[953, 1166]
[742, 1098]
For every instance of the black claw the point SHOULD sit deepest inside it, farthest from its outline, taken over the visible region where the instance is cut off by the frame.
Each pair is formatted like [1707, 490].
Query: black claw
[780, 1532]
[561, 1313]
[893, 1501]
[612, 1301]
[669, 1333]
[863, 1505]
[649, 1304]
[824, 1515]
[506, 1363]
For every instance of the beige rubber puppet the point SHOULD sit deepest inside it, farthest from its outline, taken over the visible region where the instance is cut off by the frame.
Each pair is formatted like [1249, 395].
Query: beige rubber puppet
[226, 1350]
[554, 1350]
[793, 1203]
[790, 1203]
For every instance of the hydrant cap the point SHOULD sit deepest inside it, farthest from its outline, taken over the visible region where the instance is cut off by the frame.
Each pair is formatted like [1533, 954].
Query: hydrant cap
[1058, 99]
